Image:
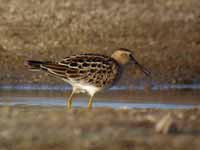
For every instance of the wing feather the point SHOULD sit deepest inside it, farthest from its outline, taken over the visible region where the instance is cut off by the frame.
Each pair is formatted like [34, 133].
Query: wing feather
[89, 68]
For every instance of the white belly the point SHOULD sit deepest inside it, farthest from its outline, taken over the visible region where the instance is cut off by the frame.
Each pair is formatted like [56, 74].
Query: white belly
[90, 89]
[78, 87]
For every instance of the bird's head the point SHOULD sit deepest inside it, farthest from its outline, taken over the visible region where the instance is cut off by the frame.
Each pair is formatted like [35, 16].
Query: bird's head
[125, 56]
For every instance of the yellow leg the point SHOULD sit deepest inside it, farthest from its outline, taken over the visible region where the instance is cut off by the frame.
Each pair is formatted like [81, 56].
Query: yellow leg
[90, 102]
[69, 100]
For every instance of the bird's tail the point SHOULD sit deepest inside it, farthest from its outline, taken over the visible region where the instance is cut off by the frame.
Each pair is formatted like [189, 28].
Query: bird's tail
[47, 66]
[34, 64]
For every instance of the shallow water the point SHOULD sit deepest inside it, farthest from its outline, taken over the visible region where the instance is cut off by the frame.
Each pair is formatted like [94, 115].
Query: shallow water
[153, 87]
[117, 97]
[41, 101]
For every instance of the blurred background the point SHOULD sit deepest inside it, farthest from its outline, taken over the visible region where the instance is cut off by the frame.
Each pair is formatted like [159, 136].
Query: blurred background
[163, 34]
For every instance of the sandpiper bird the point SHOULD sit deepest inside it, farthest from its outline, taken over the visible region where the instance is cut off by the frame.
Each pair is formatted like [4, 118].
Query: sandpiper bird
[88, 72]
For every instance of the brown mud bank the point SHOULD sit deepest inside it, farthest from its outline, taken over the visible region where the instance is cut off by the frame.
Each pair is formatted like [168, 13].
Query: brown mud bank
[31, 127]
[163, 34]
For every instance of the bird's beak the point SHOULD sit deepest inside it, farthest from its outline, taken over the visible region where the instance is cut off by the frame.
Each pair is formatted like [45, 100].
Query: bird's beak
[142, 68]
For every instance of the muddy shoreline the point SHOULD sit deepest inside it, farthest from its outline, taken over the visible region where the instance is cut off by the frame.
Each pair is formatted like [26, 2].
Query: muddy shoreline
[30, 127]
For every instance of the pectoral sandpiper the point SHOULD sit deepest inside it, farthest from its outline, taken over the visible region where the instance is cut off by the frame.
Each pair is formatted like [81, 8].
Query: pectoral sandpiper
[88, 72]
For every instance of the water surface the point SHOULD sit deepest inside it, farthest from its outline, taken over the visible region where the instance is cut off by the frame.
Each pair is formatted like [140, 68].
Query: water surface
[163, 97]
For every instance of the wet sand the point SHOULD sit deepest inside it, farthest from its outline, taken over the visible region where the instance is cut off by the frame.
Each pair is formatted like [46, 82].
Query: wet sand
[45, 128]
